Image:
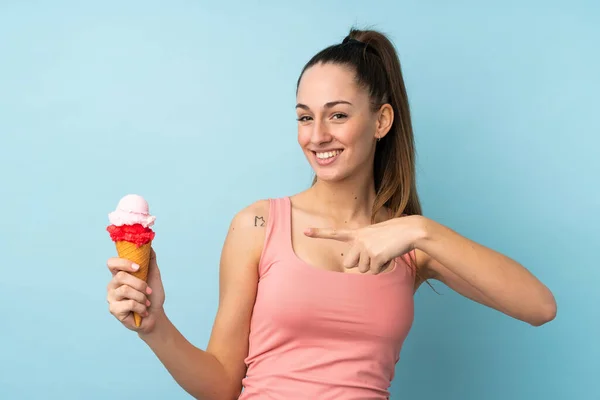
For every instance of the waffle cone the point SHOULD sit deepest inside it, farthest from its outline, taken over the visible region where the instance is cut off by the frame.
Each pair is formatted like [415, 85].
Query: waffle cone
[140, 256]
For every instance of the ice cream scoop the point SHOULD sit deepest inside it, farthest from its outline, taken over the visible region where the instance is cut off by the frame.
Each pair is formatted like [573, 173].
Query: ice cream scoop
[132, 209]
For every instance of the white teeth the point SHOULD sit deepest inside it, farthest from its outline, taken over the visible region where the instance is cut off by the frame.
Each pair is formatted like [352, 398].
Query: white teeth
[328, 154]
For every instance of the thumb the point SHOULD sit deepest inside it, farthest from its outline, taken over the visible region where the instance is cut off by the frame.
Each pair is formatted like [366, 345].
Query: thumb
[343, 235]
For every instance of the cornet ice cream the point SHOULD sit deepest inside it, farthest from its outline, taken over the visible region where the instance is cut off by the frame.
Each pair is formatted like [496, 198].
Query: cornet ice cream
[130, 229]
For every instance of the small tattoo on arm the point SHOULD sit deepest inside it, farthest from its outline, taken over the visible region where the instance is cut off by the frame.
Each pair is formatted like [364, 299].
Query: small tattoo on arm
[259, 221]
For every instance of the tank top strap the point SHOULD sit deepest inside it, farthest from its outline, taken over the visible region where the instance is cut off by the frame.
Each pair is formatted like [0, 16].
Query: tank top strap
[278, 233]
[284, 217]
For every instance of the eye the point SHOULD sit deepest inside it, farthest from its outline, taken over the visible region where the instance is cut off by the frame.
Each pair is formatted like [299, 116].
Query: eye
[303, 118]
[339, 116]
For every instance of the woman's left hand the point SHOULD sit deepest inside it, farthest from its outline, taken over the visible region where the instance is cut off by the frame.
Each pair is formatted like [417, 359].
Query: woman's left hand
[373, 246]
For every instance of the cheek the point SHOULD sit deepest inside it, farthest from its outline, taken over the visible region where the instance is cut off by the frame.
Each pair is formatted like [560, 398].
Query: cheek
[357, 136]
[303, 136]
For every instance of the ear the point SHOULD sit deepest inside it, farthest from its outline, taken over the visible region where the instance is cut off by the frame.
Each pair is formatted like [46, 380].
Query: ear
[385, 118]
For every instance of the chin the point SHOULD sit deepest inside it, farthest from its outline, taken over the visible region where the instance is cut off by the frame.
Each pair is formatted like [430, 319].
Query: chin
[328, 177]
[330, 174]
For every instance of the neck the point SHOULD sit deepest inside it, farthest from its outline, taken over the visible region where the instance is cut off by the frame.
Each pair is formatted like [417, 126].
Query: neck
[347, 200]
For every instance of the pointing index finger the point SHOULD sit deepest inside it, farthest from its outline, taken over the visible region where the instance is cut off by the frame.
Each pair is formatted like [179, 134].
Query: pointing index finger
[343, 235]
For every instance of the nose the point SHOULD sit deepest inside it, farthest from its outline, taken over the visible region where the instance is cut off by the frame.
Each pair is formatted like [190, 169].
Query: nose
[320, 133]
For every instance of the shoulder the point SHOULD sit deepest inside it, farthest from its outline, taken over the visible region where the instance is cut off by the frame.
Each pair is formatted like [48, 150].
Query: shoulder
[247, 229]
[254, 215]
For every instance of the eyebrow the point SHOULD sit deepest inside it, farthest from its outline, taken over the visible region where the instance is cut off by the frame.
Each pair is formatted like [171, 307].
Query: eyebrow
[327, 105]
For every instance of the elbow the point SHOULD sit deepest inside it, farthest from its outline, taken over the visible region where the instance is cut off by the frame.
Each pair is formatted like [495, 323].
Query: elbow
[546, 312]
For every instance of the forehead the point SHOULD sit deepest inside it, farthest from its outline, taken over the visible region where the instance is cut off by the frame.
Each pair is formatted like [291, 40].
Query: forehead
[323, 83]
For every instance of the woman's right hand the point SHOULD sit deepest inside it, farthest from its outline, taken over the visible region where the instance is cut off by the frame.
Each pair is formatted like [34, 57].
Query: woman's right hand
[127, 294]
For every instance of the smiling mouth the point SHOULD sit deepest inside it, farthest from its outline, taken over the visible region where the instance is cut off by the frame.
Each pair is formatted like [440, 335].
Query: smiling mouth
[326, 157]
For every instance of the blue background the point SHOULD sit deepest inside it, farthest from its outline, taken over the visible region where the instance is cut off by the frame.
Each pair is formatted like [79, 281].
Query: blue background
[191, 104]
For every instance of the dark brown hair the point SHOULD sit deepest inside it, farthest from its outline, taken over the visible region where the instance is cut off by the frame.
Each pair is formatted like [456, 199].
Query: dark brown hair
[374, 59]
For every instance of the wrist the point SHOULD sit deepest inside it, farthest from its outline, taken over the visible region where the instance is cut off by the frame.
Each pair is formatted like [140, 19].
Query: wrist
[158, 329]
[422, 228]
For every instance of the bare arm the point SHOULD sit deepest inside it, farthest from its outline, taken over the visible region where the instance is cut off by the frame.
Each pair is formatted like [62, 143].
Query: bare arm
[198, 372]
[217, 373]
[483, 275]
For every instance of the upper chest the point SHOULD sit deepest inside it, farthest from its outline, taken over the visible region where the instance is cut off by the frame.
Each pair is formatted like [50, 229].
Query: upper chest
[326, 254]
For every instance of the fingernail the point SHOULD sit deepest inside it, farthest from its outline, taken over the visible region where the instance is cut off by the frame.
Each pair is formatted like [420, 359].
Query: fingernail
[135, 267]
[147, 303]
[148, 290]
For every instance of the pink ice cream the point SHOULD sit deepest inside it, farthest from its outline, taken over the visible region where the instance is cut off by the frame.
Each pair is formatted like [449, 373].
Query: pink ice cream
[132, 209]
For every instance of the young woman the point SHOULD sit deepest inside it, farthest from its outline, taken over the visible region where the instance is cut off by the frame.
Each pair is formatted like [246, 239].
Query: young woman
[316, 289]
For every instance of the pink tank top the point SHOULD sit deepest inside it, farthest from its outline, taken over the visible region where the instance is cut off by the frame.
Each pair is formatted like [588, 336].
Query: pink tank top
[318, 334]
